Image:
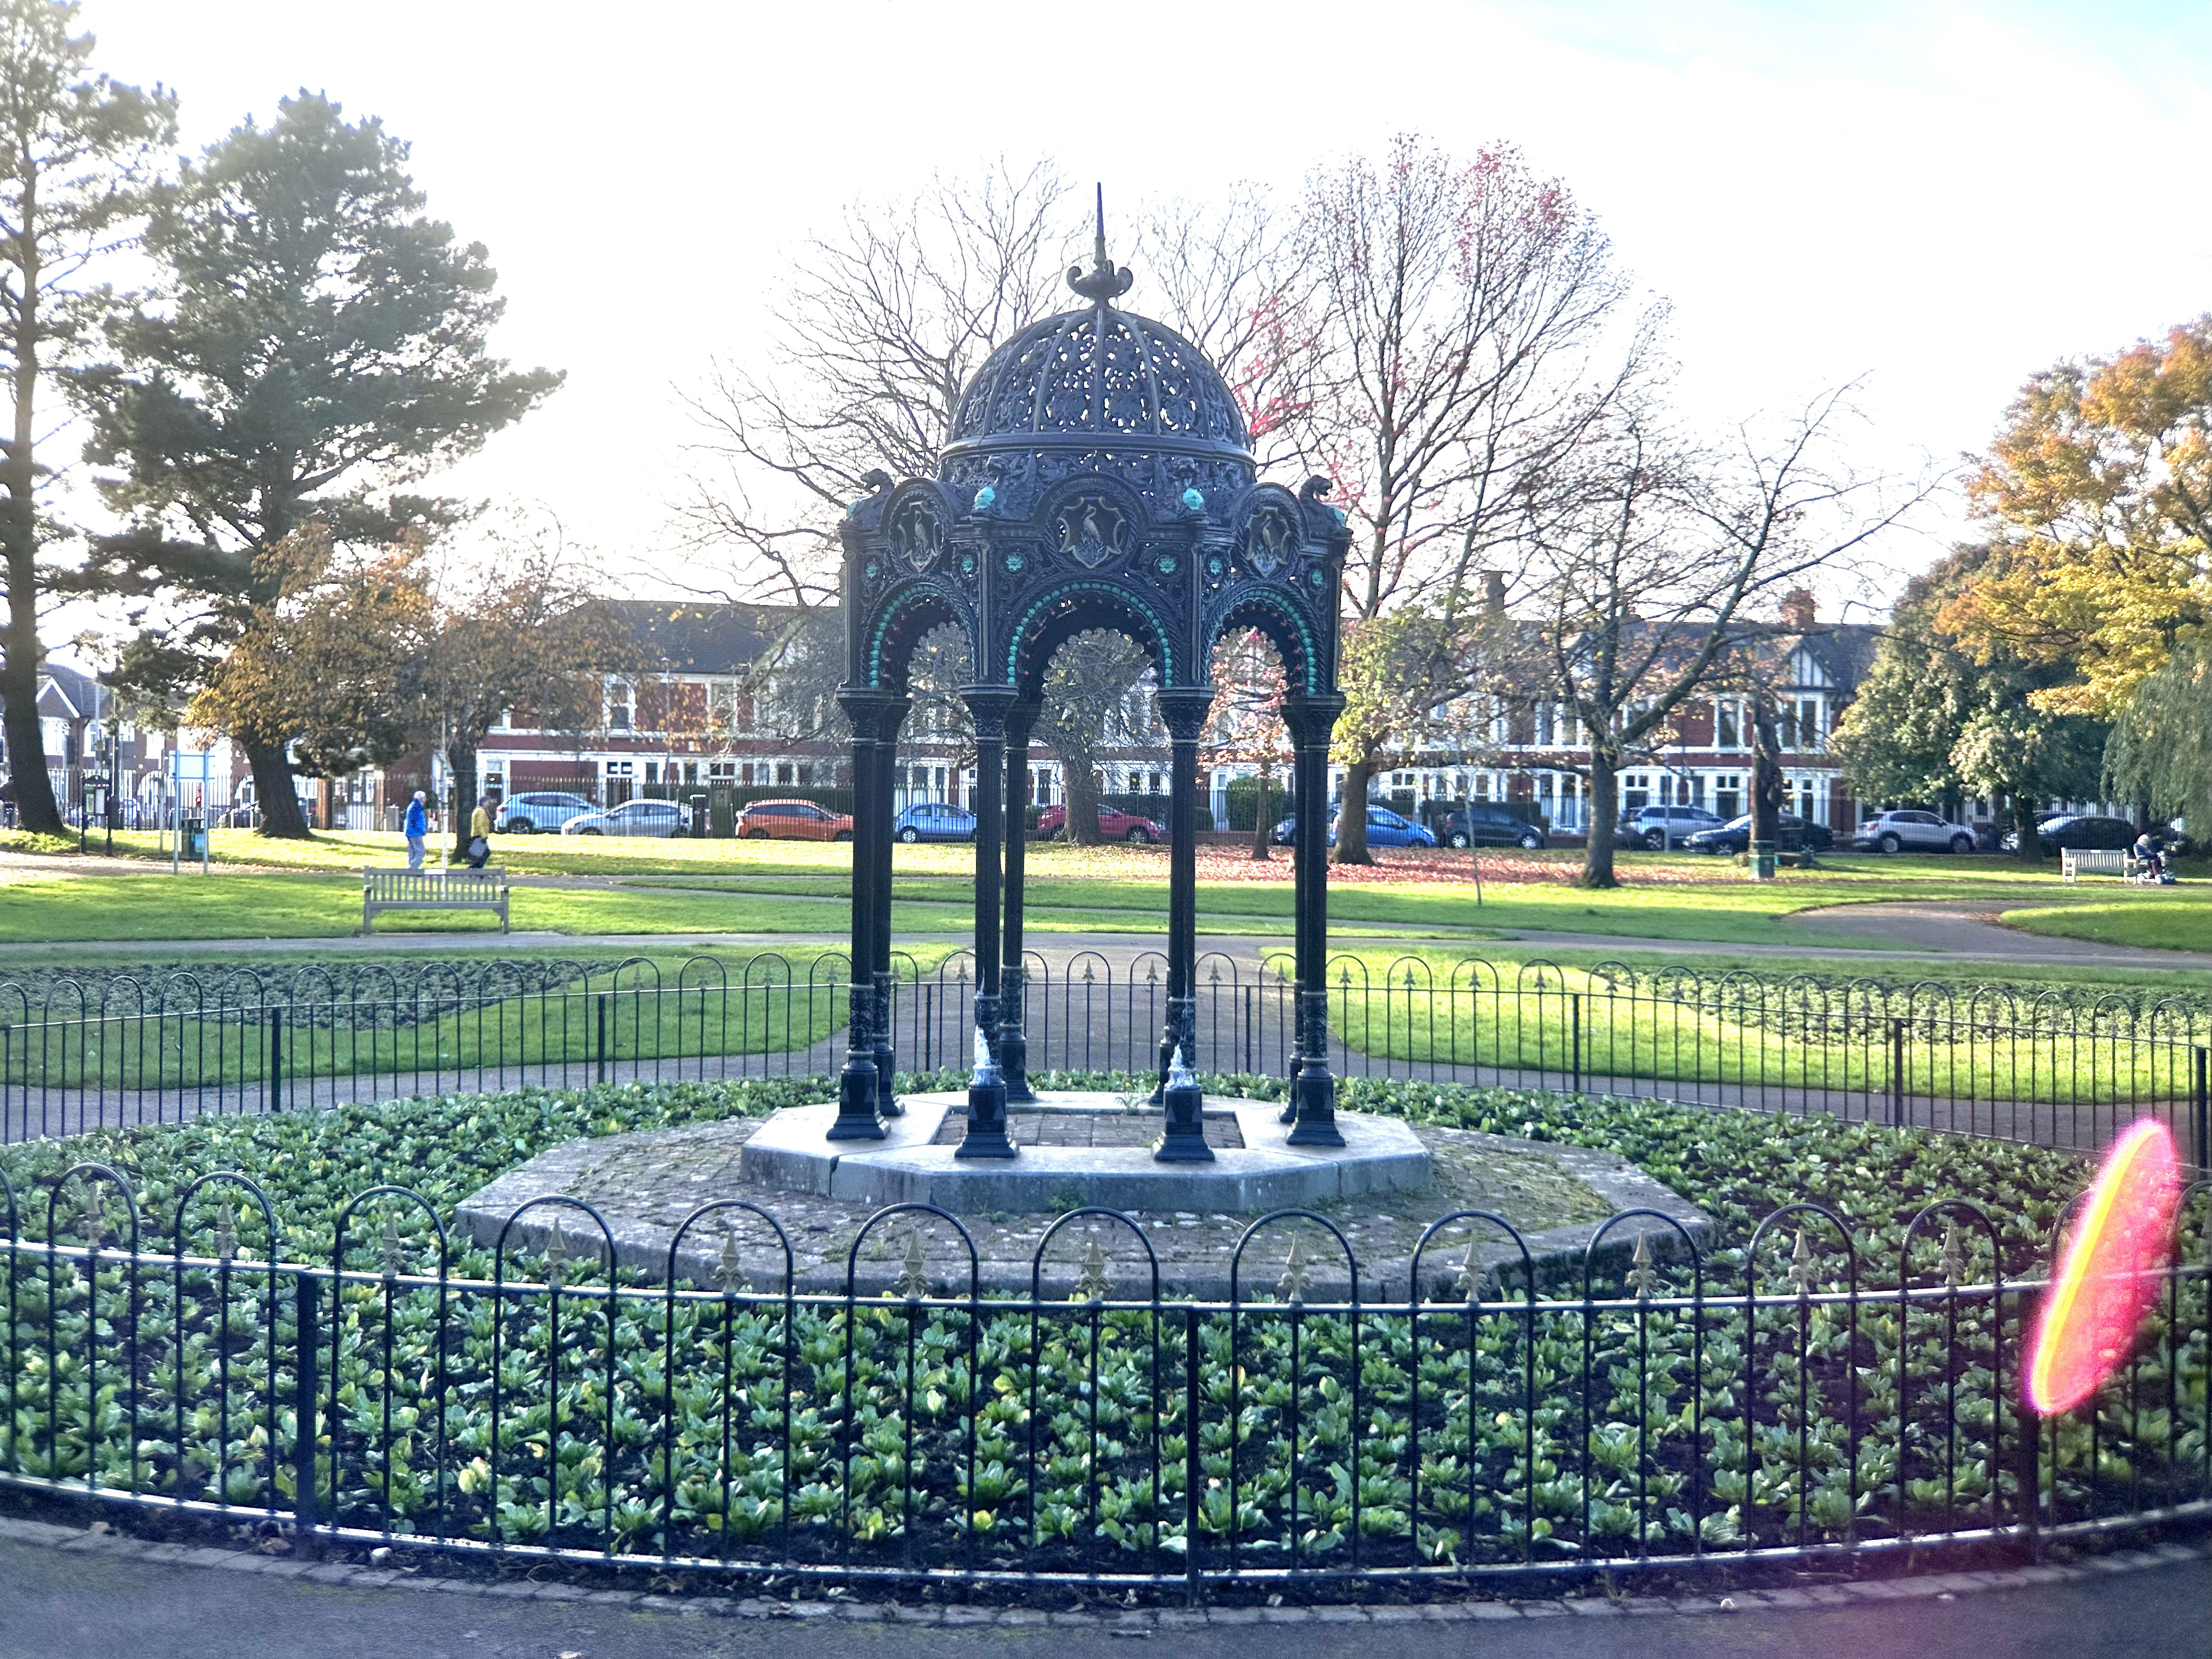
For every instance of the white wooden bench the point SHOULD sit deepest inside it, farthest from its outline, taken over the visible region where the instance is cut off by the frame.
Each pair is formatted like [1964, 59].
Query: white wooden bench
[432, 889]
[2100, 861]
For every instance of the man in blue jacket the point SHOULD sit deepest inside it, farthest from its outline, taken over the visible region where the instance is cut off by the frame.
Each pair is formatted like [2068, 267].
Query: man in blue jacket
[417, 827]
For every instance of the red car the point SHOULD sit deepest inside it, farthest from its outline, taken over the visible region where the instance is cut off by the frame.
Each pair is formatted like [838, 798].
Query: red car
[1114, 825]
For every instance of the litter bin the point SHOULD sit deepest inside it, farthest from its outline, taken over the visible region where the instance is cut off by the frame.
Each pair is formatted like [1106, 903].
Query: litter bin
[699, 818]
[194, 832]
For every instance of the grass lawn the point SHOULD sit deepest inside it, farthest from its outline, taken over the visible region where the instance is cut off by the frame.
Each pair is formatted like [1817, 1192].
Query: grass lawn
[2178, 917]
[687, 886]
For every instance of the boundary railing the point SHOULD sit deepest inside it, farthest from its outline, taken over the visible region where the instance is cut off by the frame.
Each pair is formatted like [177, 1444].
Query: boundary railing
[77, 1053]
[1805, 1396]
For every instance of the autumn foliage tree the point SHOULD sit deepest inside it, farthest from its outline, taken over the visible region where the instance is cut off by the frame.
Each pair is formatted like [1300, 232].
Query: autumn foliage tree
[2098, 493]
[315, 666]
[1245, 726]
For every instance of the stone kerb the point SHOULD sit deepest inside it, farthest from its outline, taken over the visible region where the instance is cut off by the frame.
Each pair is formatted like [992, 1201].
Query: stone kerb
[645, 1182]
[910, 1164]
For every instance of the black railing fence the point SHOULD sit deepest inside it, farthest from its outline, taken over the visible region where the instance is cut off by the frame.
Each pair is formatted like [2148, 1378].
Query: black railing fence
[84, 1049]
[1806, 1393]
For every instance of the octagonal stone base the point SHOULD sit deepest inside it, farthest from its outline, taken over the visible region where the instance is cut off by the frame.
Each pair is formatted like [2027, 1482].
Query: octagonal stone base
[915, 1163]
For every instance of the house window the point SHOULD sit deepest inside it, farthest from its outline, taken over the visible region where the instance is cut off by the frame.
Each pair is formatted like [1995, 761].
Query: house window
[1727, 724]
[1727, 794]
[1635, 791]
[618, 706]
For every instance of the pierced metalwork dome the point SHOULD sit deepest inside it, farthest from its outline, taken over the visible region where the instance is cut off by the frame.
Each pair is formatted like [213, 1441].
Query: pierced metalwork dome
[1099, 375]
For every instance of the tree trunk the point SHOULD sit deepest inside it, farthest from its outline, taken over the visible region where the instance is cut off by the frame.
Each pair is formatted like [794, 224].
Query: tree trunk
[1604, 804]
[1080, 827]
[461, 770]
[2024, 818]
[35, 807]
[281, 819]
[1352, 814]
[1260, 825]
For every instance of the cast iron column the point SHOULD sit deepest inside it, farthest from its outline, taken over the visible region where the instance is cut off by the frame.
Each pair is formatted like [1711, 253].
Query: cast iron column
[1014, 1047]
[1312, 719]
[877, 839]
[857, 1084]
[1183, 710]
[987, 1113]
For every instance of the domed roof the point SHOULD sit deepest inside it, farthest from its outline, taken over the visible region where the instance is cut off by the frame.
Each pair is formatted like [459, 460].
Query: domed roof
[1099, 375]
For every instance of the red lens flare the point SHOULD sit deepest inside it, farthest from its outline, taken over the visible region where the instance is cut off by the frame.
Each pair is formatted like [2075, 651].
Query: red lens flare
[2109, 1277]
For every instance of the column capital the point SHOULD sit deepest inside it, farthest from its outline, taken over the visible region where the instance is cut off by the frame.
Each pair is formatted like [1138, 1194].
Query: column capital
[987, 706]
[1312, 716]
[874, 715]
[1183, 710]
[1021, 720]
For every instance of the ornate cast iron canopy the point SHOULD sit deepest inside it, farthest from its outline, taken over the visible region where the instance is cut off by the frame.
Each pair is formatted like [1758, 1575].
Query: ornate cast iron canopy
[1100, 475]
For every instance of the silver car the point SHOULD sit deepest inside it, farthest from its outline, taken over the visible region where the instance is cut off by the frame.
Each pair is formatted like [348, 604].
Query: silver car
[633, 817]
[1913, 830]
[539, 811]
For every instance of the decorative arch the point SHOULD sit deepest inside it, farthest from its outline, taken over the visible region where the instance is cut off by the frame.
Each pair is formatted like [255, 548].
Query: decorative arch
[1288, 631]
[902, 618]
[1081, 606]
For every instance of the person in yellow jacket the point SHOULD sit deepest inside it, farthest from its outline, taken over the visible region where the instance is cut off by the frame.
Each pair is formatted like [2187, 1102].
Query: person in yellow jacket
[480, 833]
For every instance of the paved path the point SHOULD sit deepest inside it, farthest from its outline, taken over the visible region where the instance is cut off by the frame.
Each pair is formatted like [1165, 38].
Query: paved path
[102, 1604]
[1967, 927]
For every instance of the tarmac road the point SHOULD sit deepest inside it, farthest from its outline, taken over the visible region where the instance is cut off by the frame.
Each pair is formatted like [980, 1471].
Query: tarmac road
[57, 1604]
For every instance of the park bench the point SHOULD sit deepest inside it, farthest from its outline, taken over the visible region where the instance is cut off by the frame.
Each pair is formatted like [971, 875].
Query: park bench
[432, 889]
[2099, 862]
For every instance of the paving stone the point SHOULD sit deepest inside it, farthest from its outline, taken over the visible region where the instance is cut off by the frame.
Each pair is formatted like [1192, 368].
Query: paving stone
[970, 1615]
[1339, 1615]
[1234, 1615]
[615, 1598]
[1593, 1606]
[369, 1577]
[1542, 1609]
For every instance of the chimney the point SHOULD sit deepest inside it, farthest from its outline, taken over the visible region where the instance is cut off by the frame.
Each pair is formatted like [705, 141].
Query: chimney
[1797, 613]
[1493, 591]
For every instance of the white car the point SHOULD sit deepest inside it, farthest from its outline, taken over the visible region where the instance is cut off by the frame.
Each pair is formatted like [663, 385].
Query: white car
[633, 817]
[1913, 830]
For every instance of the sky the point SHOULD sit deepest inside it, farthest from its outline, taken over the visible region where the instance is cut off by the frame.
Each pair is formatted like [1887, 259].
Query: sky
[1932, 199]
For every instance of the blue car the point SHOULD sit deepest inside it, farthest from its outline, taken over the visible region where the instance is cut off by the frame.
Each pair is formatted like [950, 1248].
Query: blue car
[933, 820]
[1386, 829]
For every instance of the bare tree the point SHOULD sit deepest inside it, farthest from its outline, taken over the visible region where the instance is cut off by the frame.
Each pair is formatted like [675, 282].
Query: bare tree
[1475, 328]
[880, 329]
[877, 330]
[1653, 563]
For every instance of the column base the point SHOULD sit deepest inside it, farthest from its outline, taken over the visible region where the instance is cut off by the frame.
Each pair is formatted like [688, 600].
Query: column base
[1314, 1095]
[987, 1120]
[856, 1103]
[1184, 1141]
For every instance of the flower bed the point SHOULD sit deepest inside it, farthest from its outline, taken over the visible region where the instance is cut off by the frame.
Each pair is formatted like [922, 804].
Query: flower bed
[1841, 1372]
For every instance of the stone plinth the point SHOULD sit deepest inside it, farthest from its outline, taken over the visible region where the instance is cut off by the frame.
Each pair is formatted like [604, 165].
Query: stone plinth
[1083, 1149]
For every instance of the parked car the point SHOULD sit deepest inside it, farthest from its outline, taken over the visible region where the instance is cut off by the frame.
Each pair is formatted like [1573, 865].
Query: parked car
[1484, 823]
[1661, 827]
[633, 817]
[1912, 829]
[1114, 825]
[793, 820]
[1791, 834]
[2076, 832]
[1386, 829]
[539, 810]
[934, 820]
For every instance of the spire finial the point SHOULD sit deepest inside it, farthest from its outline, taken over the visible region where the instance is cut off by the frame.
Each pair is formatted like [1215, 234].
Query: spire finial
[1102, 282]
